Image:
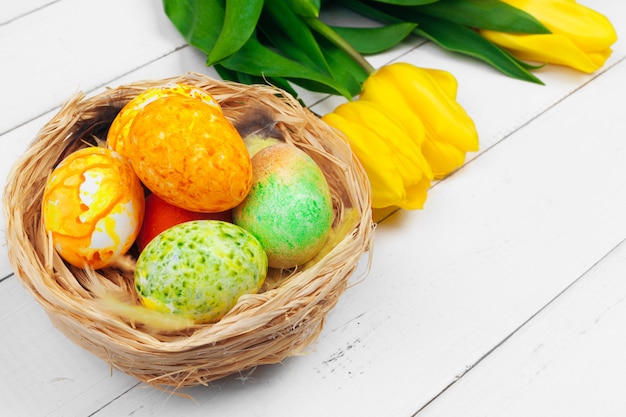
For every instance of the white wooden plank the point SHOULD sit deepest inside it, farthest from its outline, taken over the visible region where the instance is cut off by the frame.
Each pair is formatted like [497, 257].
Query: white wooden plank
[14, 144]
[497, 242]
[567, 361]
[13, 10]
[76, 45]
[42, 373]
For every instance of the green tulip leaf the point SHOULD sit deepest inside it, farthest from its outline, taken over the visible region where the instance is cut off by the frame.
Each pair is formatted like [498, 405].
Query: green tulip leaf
[198, 21]
[279, 82]
[240, 19]
[525, 64]
[288, 48]
[449, 35]
[459, 38]
[375, 40]
[344, 68]
[249, 79]
[406, 2]
[485, 14]
[306, 8]
[225, 73]
[289, 31]
[256, 59]
[369, 10]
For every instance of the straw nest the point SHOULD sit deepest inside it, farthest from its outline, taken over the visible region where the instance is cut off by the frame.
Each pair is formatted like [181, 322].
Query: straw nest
[95, 308]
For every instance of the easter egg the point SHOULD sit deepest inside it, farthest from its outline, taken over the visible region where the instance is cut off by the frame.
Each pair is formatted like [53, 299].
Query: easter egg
[93, 205]
[118, 132]
[199, 269]
[289, 207]
[186, 152]
[160, 215]
[255, 143]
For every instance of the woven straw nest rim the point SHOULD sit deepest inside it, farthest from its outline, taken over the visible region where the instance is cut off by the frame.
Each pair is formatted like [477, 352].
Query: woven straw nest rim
[89, 306]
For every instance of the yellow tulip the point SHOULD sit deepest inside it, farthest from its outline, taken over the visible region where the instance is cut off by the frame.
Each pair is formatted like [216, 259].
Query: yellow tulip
[398, 173]
[420, 97]
[446, 81]
[581, 38]
[407, 153]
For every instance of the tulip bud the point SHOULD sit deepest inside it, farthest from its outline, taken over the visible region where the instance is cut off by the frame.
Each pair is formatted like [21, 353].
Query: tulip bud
[407, 153]
[398, 173]
[580, 38]
[420, 97]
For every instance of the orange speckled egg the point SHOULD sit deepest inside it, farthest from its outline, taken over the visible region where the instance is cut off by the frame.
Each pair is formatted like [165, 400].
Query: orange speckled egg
[93, 205]
[118, 132]
[186, 152]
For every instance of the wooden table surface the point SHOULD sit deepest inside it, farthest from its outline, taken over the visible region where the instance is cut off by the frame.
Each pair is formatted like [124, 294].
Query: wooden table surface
[505, 296]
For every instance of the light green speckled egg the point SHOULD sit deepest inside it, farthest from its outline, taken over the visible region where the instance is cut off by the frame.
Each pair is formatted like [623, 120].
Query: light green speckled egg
[200, 269]
[289, 208]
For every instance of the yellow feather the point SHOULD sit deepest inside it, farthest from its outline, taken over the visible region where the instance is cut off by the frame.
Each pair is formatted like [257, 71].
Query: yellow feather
[337, 234]
[156, 321]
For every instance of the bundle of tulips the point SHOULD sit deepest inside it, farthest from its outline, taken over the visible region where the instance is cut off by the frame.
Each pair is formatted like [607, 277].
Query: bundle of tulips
[402, 122]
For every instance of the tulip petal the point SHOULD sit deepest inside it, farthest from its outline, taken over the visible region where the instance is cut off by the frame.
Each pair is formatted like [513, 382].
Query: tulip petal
[415, 196]
[451, 123]
[379, 89]
[407, 158]
[446, 81]
[443, 157]
[552, 49]
[418, 95]
[581, 37]
[444, 119]
[376, 158]
[485, 14]
[585, 27]
[407, 153]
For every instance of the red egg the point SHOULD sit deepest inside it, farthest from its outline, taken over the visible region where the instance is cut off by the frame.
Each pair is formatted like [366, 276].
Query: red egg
[161, 215]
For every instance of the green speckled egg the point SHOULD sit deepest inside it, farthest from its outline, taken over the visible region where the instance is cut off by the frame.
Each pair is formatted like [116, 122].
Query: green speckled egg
[200, 269]
[289, 207]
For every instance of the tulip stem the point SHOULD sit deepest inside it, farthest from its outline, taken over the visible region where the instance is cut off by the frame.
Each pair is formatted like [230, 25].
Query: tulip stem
[328, 33]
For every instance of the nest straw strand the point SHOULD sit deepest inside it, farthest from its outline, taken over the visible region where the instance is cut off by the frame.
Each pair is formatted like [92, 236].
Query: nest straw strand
[265, 328]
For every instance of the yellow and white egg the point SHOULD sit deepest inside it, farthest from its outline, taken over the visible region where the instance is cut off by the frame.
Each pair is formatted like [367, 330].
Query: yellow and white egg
[93, 205]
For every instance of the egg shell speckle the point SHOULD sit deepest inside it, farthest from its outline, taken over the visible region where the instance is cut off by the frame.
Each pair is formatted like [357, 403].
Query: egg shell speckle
[93, 204]
[200, 269]
[118, 132]
[289, 207]
[189, 154]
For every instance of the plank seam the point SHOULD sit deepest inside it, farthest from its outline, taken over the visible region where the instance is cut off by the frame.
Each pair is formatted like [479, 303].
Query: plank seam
[90, 91]
[19, 16]
[510, 335]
